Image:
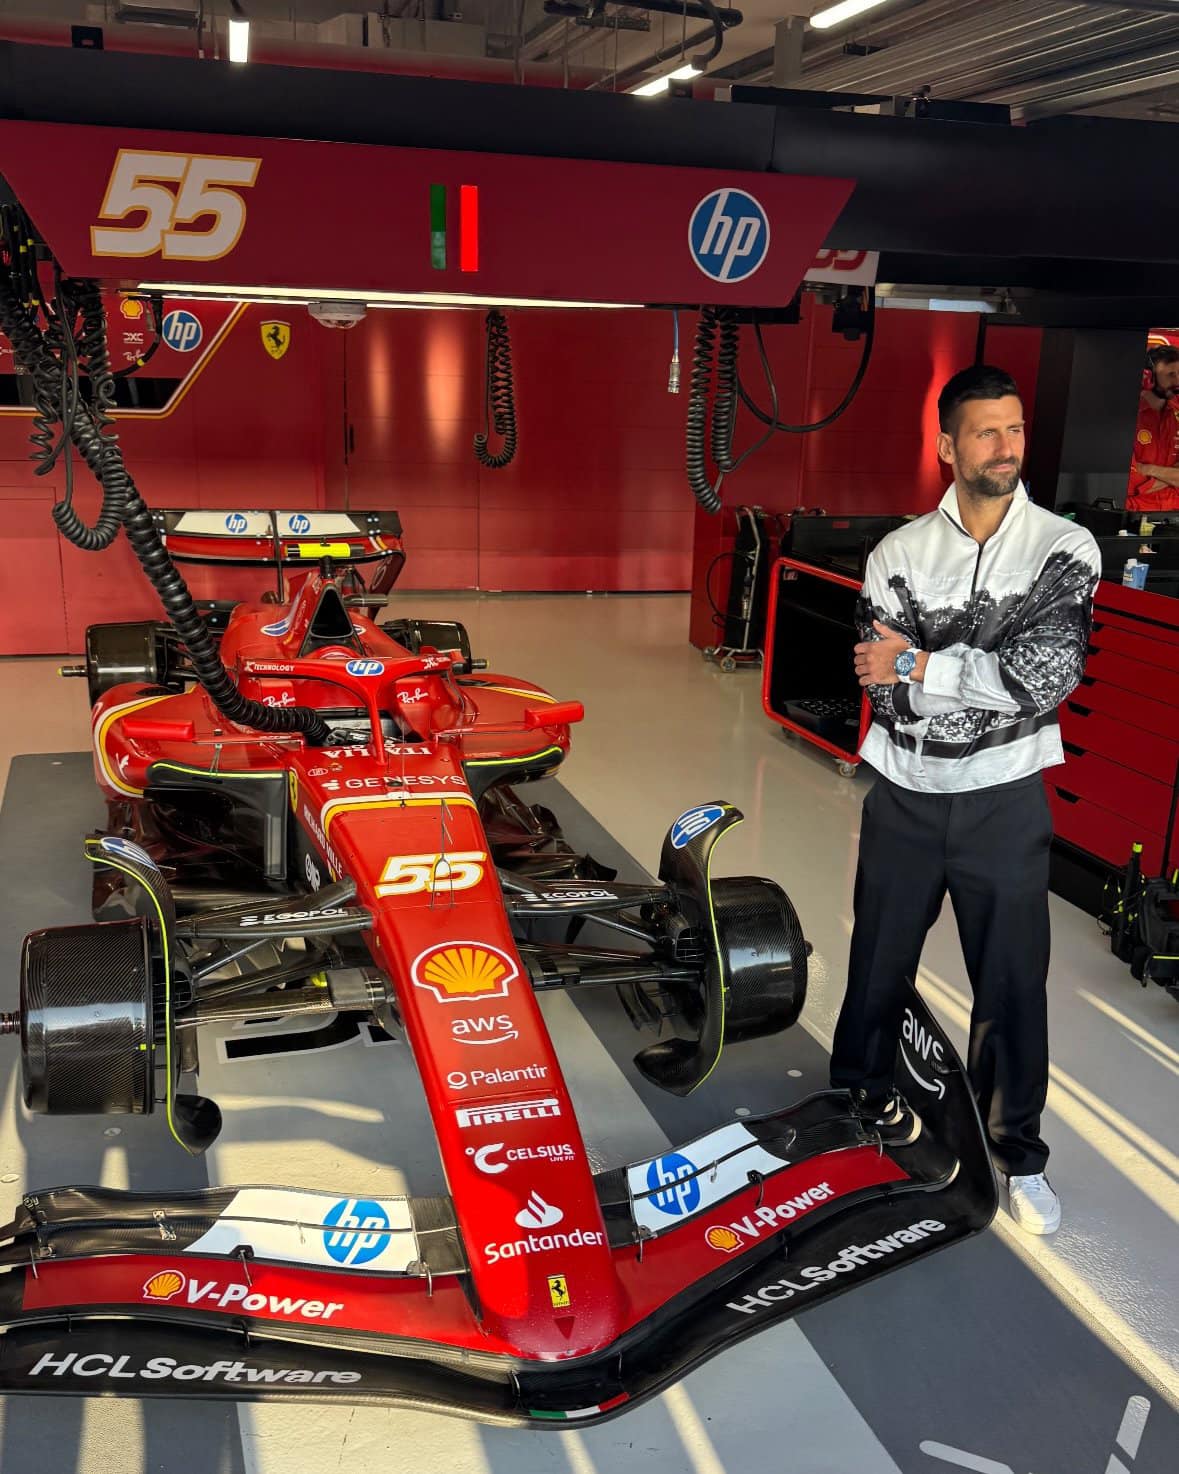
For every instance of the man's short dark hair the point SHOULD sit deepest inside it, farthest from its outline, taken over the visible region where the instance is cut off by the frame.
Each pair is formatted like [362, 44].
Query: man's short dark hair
[980, 381]
[1168, 353]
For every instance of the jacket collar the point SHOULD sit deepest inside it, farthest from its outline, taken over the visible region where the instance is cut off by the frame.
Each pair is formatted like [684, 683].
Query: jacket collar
[949, 505]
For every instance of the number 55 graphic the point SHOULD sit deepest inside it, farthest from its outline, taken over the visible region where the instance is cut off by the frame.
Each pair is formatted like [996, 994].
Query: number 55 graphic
[171, 191]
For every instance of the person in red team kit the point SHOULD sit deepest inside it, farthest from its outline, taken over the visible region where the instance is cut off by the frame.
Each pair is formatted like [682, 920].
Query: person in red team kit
[1154, 476]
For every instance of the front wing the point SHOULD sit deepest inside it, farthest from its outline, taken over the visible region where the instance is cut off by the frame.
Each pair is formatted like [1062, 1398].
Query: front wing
[245, 1294]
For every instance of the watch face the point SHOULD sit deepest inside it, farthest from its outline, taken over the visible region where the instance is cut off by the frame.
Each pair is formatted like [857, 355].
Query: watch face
[905, 663]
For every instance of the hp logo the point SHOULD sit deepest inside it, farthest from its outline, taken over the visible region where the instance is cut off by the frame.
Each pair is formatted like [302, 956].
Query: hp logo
[676, 1175]
[356, 1231]
[729, 235]
[300, 522]
[236, 522]
[364, 668]
[694, 822]
[182, 331]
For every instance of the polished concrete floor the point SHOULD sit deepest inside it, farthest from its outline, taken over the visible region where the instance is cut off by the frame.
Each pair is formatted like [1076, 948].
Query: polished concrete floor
[663, 731]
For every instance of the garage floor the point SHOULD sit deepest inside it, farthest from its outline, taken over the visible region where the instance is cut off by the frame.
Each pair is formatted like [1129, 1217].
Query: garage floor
[1008, 1355]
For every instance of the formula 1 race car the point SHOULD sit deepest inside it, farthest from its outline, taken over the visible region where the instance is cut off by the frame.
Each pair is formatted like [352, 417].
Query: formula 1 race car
[313, 815]
[391, 870]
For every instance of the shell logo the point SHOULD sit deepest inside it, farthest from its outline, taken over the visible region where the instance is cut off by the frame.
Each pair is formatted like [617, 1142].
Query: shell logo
[457, 971]
[723, 1239]
[164, 1285]
[1144, 437]
[131, 307]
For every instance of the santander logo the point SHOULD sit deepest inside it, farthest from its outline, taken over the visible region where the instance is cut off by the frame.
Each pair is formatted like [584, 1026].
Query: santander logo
[538, 1214]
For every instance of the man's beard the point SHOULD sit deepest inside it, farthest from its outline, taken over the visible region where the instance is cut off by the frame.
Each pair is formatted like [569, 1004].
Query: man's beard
[989, 482]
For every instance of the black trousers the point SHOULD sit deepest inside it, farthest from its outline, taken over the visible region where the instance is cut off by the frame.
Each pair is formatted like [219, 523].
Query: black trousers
[989, 850]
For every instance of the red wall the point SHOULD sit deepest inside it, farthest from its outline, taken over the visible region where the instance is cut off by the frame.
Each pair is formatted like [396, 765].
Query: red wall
[879, 455]
[597, 497]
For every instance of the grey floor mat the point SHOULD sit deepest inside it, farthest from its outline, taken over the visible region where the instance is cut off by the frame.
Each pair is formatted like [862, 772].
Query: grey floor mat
[968, 1360]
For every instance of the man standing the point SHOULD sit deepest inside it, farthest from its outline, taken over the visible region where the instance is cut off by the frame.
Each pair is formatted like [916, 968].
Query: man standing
[975, 622]
[1154, 476]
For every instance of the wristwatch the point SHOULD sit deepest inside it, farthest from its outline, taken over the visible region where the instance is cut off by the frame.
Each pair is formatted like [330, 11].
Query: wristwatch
[904, 666]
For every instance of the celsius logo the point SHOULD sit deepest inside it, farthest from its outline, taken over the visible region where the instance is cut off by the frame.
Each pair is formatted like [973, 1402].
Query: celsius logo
[182, 331]
[538, 1214]
[484, 1157]
[694, 822]
[299, 522]
[729, 235]
[356, 1231]
[365, 668]
[678, 1190]
[236, 522]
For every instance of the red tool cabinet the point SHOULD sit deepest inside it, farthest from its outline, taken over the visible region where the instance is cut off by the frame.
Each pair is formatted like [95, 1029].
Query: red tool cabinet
[1121, 739]
[808, 684]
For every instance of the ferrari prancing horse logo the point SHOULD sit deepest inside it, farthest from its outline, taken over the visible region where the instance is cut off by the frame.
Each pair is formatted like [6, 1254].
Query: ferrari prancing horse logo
[276, 338]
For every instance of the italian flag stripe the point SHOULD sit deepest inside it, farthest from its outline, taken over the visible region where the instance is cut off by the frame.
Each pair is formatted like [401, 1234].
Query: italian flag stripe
[468, 227]
[438, 227]
[579, 1412]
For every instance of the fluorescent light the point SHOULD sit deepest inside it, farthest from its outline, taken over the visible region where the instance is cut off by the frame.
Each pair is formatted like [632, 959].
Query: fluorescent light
[300, 296]
[239, 40]
[845, 10]
[660, 84]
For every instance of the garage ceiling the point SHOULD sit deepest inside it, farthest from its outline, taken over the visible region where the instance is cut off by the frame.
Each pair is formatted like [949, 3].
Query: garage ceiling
[1039, 57]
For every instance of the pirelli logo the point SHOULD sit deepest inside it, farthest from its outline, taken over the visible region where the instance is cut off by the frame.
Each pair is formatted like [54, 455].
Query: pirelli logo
[512, 1110]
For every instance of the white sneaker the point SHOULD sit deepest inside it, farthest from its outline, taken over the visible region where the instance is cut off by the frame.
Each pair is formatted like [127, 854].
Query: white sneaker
[1034, 1205]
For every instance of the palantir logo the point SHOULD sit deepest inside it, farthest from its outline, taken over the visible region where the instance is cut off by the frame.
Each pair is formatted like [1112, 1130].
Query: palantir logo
[299, 523]
[729, 235]
[364, 668]
[675, 1174]
[182, 331]
[236, 522]
[356, 1231]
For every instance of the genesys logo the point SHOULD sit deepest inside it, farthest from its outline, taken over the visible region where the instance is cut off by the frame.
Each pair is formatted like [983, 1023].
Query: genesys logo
[167, 1368]
[173, 1287]
[480, 1079]
[494, 1029]
[732, 1236]
[496, 1157]
[501, 1112]
[850, 1259]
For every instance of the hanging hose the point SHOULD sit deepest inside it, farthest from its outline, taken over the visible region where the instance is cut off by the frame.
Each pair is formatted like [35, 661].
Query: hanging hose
[724, 404]
[91, 431]
[865, 359]
[702, 356]
[499, 403]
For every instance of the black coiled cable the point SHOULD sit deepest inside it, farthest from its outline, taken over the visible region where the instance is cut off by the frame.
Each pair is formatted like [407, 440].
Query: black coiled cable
[499, 403]
[703, 354]
[91, 431]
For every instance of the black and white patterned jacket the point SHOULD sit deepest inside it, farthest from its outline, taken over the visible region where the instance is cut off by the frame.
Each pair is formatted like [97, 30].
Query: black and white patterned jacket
[1007, 624]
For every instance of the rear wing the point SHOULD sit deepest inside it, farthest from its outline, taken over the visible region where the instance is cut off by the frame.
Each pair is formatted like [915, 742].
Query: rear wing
[277, 539]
